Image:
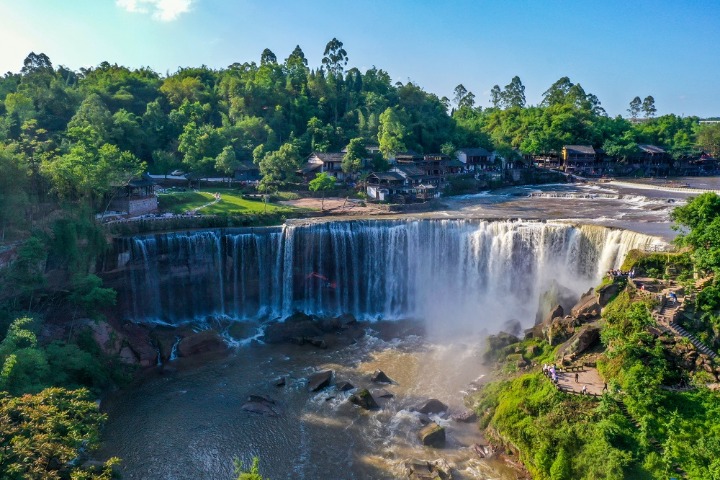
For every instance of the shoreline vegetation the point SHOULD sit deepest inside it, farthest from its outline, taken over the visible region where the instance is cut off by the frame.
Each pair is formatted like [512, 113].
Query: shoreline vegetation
[655, 392]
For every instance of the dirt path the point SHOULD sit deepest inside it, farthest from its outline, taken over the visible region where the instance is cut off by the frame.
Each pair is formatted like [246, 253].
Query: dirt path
[338, 206]
[589, 378]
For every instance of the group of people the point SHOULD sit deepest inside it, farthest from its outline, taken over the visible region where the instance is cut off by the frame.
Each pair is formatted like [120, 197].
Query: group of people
[621, 273]
[550, 371]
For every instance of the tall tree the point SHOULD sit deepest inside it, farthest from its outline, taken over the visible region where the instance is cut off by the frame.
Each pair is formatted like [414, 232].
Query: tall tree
[267, 57]
[227, 162]
[635, 106]
[279, 167]
[322, 183]
[391, 133]
[514, 93]
[648, 106]
[353, 158]
[459, 93]
[335, 57]
[496, 96]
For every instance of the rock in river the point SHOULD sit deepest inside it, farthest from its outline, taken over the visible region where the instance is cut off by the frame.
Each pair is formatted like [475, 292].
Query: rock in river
[379, 377]
[432, 406]
[364, 400]
[432, 435]
[318, 381]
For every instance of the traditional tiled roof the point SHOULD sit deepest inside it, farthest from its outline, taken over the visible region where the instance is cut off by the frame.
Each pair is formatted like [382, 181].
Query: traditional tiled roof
[410, 170]
[144, 180]
[388, 176]
[580, 149]
[455, 163]
[475, 152]
[310, 167]
[328, 157]
[652, 149]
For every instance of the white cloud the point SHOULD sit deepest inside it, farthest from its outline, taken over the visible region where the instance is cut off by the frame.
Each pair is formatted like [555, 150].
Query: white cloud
[163, 10]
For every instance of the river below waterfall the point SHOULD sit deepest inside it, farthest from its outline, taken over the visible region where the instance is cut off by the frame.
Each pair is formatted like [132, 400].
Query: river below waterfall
[461, 272]
[188, 423]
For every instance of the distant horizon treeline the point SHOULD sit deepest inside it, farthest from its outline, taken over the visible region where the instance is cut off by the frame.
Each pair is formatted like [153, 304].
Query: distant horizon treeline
[70, 135]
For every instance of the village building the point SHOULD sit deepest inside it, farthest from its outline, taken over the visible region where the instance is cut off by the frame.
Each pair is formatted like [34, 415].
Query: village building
[403, 183]
[247, 171]
[330, 163]
[474, 159]
[549, 159]
[135, 197]
[579, 159]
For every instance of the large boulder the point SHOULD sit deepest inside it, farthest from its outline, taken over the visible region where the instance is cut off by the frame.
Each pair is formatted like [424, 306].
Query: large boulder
[364, 399]
[424, 470]
[468, 416]
[559, 330]
[201, 343]
[586, 338]
[432, 406]
[496, 343]
[261, 405]
[319, 380]
[344, 386]
[432, 435]
[380, 377]
[296, 326]
[587, 308]
[607, 293]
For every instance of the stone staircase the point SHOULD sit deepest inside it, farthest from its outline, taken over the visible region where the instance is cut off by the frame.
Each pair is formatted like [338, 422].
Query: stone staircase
[698, 344]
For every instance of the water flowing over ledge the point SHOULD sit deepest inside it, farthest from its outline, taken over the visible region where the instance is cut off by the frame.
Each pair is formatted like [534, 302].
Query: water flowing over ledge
[449, 272]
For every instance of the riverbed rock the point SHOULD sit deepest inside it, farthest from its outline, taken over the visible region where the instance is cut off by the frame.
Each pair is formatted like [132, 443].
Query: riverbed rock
[364, 399]
[261, 405]
[201, 343]
[432, 435]
[344, 386]
[379, 377]
[424, 470]
[279, 382]
[483, 451]
[468, 416]
[296, 326]
[432, 406]
[346, 320]
[319, 380]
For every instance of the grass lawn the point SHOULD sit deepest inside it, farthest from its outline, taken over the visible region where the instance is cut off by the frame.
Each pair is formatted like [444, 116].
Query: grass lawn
[231, 202]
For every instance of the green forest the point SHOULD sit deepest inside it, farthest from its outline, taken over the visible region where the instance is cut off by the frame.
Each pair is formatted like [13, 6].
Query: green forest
[67, 136]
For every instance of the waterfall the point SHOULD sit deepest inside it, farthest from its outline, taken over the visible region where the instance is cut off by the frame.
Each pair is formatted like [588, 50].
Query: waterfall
[448, 271]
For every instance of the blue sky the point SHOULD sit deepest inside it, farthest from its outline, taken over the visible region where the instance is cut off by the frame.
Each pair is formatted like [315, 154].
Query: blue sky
[615, 49]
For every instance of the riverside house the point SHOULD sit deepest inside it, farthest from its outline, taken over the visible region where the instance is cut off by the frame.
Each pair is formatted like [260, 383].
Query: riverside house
[475, 159]
[579, 159]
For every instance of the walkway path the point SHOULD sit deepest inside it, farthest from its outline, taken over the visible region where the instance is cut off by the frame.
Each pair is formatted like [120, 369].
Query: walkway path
[215, 200]
[588, 377]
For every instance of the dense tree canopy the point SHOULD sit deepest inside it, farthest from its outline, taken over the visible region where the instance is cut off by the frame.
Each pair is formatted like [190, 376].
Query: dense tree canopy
[71, 135]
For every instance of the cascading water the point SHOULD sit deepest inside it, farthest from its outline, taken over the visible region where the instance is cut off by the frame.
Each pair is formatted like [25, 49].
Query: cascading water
[453, 272]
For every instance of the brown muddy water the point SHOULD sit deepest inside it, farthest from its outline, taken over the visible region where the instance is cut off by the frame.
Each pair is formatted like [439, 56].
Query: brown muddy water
[187, 423]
